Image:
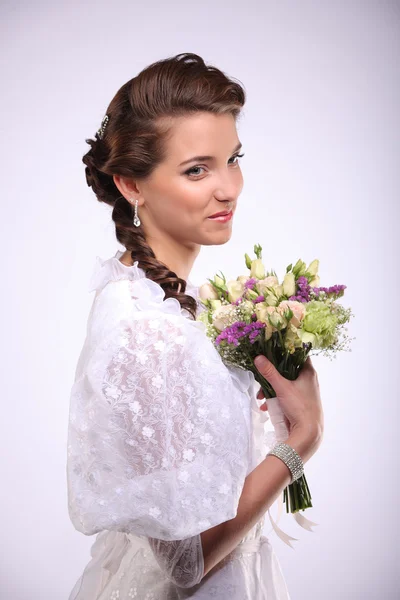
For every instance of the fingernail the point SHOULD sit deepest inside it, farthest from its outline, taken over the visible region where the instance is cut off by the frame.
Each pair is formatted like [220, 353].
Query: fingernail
[259, 361]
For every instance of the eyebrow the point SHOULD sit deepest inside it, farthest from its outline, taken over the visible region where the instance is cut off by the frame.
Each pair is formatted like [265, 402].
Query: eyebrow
[199, 158]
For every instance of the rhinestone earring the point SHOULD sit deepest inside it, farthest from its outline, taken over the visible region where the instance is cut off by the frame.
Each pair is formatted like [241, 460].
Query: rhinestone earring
[136, 220]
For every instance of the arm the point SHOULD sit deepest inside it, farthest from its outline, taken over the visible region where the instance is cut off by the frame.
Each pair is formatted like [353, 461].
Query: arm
[261, 488]
[151, 451]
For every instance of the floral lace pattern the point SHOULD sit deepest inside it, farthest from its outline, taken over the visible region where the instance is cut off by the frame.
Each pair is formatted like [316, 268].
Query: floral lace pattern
[159, 441]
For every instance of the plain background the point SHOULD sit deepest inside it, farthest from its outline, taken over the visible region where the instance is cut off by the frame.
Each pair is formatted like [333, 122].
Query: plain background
[320, 133]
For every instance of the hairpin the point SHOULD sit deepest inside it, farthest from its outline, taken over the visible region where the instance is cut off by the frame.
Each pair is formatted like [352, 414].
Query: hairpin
[100, 132]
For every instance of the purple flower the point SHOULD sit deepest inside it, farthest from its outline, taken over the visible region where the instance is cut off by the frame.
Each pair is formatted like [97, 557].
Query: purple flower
[233, 333]
[250, 283]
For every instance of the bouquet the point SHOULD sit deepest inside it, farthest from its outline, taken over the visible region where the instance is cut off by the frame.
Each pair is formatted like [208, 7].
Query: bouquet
[286, 322]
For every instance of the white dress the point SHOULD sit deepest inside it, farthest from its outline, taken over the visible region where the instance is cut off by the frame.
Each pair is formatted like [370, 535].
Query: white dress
[161, 437]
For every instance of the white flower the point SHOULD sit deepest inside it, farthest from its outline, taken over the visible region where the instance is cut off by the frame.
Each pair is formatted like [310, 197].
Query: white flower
[124, 340]
[141, 355]
[207, 502]
[202, 411]
[112, 392]
[224, 316]
[135, 407]
[205, 475]
[154, 323]
[225, 412]
[180, 340]
[154, 512]
[140, 337]
[118, 491]
[157, 381]
[188, 388]
[183, 476]
[203, 525]
[147, 432]
[224, 488]
[188, 455]
[188, 426]
[206, 439]
[160, 345]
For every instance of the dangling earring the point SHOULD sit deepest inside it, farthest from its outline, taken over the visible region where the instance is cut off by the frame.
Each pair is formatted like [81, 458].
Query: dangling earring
[136, 220]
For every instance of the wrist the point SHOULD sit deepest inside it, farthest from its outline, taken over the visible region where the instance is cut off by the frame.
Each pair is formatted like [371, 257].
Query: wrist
[304, 442]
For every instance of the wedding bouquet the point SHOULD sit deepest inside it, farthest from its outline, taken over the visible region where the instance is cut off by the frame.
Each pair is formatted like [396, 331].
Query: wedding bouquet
[286, 322]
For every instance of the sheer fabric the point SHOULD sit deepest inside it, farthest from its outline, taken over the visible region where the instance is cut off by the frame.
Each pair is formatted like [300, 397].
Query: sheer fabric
[161, 437]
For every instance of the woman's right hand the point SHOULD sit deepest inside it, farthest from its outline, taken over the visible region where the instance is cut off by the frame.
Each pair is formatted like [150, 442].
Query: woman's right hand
[300, 400]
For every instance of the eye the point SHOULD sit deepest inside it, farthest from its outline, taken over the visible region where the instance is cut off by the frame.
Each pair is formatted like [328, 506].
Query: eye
[190, 171]
[238, 156]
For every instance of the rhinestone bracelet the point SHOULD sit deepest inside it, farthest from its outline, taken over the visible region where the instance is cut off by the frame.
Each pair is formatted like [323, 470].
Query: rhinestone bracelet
[290, 457]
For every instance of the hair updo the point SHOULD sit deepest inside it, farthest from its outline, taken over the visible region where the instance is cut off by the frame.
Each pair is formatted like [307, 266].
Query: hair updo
[134, 143]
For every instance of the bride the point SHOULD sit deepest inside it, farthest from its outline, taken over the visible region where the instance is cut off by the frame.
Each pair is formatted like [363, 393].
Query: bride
[166, 446]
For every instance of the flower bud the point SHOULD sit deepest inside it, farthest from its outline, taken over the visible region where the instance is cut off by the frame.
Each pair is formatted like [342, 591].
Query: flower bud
[289, 285]
[236, 290]
[267, 282]
[315, 282]
[251, 294]
[277, 320]
[313, 267]
[219, 281]
[243, 278]
[215, 304]
[207, 292]
[257, 269]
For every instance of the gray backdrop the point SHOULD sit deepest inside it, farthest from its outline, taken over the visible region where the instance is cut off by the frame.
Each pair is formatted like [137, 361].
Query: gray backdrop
[321, 138]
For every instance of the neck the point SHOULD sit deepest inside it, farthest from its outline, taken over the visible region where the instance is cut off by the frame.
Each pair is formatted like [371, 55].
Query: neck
[178, 258]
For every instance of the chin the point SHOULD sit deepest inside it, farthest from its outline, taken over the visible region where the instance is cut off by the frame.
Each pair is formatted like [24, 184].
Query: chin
[218, 239]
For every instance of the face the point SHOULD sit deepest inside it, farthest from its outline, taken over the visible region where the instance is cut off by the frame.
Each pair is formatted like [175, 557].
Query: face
[177, 200]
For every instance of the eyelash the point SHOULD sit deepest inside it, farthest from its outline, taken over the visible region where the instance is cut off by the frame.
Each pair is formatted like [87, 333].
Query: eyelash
[189, 171]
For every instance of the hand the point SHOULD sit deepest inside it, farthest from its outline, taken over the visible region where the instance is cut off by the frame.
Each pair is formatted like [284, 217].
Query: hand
[299, 399]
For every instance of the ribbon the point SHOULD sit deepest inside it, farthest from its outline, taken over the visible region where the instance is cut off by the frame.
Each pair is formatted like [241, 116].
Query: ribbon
[278, 420]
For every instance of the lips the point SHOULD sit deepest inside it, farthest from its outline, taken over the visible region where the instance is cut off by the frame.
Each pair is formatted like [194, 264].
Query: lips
[221, 214]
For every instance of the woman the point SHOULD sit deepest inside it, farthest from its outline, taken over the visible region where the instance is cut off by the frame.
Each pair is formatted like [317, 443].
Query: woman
[166, 447]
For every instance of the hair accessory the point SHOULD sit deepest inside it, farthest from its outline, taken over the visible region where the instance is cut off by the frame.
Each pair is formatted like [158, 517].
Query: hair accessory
[136, 220]
[291, 459]
[100, 132]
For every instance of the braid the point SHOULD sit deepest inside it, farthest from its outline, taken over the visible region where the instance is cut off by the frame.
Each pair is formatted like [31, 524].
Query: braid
[133, 239]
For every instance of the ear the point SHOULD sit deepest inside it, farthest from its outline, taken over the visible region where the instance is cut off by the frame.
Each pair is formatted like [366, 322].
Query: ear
[128, 188]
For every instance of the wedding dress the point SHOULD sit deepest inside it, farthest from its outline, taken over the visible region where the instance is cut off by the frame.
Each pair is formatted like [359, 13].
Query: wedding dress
[161, 436]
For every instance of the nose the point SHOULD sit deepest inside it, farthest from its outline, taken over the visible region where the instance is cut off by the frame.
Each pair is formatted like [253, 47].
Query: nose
[229, 187]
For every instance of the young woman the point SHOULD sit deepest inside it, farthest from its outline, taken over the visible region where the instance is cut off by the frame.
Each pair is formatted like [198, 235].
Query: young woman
[166, 448]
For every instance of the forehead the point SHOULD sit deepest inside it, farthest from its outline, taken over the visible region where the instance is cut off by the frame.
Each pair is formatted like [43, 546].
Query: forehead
[201, 133]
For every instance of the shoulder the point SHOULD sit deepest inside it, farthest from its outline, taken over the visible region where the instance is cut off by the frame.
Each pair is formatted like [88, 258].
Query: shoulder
[129, 286]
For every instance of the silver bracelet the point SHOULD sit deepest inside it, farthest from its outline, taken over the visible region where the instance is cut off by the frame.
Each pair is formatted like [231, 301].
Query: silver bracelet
[290, 457]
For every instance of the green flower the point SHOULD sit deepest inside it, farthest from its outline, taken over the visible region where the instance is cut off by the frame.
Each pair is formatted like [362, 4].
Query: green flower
[319, 325]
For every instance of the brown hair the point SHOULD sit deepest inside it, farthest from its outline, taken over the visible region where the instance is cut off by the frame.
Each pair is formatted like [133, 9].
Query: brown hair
[134, 143]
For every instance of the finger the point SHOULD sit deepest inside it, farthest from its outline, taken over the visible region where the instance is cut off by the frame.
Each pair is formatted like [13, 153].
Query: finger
[260, 394]
[264, 406]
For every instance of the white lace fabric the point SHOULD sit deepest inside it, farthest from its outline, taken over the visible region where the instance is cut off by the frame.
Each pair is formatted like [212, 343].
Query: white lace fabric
[161, 437]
